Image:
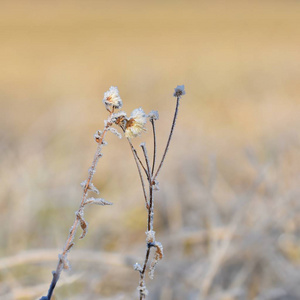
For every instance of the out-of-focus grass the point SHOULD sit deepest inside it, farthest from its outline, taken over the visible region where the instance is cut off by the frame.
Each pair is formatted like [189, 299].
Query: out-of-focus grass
[228, 210]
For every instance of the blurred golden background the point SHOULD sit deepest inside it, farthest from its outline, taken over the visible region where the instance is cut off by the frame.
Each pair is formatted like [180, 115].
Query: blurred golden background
[228, 208]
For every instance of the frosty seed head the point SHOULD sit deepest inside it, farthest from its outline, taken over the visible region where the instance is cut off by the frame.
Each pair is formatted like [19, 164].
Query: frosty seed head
[179, 91]
[112, 98]
[119, 118]
[136, 123]
[153, 115]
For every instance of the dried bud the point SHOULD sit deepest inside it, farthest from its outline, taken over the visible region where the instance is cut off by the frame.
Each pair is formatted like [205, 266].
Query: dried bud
[153, 115]
[179, 91]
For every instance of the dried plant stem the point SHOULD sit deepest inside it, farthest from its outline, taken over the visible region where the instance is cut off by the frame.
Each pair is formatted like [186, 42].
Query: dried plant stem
[169, 139]
[69, 242]
[137, 161]
[154, 146]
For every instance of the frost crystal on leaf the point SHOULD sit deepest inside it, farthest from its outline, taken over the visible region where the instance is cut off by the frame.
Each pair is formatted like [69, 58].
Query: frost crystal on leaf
[112, 98]
[153, 115]
[136, 123]
[179, 91]
[91, 187]
[98, 201]
[137, 267]
[115, 131]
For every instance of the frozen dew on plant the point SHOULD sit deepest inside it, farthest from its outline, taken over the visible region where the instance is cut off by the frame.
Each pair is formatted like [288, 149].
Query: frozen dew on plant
[153, 115]
[112, 98]
[179, 91]
[136, 123]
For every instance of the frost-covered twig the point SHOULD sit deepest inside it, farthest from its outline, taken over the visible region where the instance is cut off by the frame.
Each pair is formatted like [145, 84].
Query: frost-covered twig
[112, 101]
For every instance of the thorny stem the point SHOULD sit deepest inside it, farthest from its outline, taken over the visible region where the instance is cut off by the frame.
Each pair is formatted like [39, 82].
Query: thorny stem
[169, 139]
[69, 243]
[154, 146]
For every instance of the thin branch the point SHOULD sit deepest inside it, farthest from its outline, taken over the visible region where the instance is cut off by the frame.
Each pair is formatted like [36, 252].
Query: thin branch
[169, 139]
[143, 146]
[137, 160]
[154, 145]
[73, 229]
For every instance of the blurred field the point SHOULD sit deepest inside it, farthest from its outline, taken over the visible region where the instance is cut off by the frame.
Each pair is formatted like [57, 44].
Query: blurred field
[228, 209]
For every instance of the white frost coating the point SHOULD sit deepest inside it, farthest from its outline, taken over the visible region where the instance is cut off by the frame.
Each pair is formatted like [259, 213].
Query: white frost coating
[150, 236]
[91, 187]
[136, 123]
[115, 131]
[153, 115]
[112, 98]
[120, 114]
[137, 267]
[98, 201]
[159, 254]
[156, 185]
[143, 290]
[179, 91]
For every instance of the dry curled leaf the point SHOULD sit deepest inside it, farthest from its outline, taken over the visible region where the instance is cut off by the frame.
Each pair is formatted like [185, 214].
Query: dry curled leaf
[83, 225]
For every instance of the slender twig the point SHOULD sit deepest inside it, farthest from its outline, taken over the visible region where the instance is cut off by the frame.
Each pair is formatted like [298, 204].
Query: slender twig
[143, 146]
[69, 243]
[137, 160]
[154, 145]
[169, 139]
[137, 156]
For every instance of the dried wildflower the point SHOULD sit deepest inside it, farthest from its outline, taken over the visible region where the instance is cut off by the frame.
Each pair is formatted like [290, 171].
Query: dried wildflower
[112, 98]
[119, 118]
[136, 123]
[153, 115]
[179, 91]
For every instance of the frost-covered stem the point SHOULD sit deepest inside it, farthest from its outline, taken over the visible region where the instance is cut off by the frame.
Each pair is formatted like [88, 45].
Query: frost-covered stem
[143, 146]
[137, 157]
[69, 242]
[137, 161]
[169, 139]
[142, 273]
[149, 225]
[154, 146]
[150, 209]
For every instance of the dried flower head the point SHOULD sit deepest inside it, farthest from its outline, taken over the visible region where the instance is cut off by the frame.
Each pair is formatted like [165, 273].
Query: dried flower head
[136, 123]
[179, 91]
[153, 115]
[112, 98]
[119, 118]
